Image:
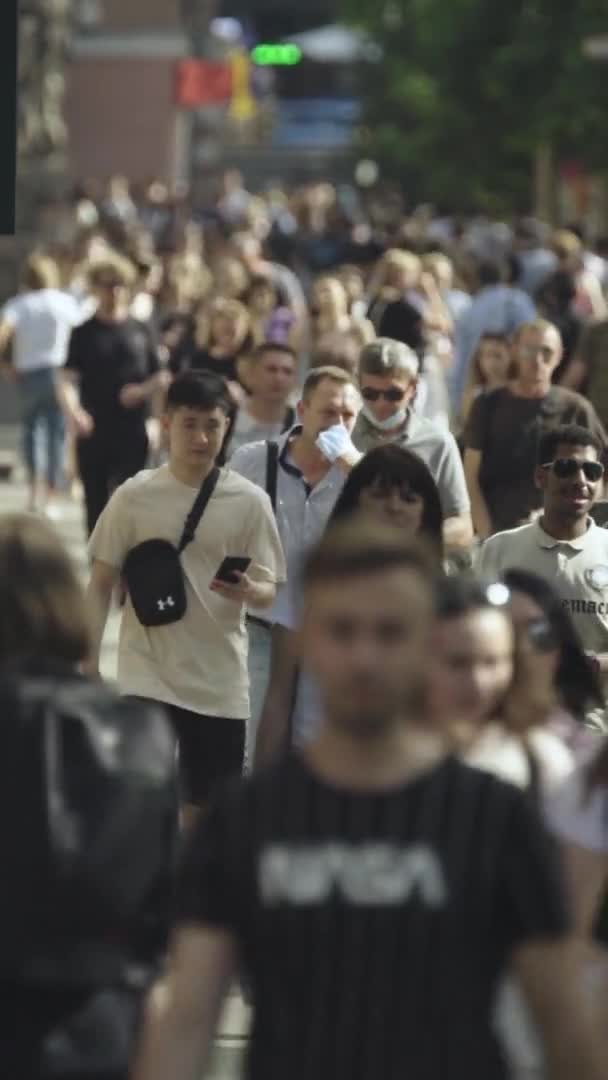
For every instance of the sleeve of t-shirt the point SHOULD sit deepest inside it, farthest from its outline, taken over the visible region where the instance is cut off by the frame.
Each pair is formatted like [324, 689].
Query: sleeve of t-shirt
[205, 891]
[74, 359]
[10, 313]
[532, 899]
[487, 561]
[451, 481]
[263, 544]
[578, 816]
[475, 428]
[112, 536]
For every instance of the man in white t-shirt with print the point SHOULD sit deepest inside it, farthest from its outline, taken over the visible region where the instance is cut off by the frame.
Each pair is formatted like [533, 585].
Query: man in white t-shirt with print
[39, 322]
[564, 545]
[196, 667]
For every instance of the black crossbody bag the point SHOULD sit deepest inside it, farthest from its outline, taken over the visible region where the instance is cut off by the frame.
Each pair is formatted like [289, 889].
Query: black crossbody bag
[153, 571]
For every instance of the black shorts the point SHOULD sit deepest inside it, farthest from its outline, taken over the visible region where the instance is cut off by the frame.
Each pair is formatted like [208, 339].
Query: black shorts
[210, 749]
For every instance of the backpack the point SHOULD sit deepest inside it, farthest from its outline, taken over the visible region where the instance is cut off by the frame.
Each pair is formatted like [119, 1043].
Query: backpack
[87, 828]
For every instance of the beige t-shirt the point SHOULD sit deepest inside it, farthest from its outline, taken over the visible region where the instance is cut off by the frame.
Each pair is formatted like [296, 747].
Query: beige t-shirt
[200, 662]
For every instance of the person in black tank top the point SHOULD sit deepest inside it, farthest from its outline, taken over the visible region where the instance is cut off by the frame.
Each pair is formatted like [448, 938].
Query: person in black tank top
[372, 887]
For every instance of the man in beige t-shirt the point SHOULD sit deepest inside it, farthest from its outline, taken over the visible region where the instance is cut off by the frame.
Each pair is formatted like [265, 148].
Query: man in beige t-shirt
[196, 667]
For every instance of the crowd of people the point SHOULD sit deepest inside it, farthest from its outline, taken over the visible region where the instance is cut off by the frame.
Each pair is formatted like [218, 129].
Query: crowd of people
[343, 471]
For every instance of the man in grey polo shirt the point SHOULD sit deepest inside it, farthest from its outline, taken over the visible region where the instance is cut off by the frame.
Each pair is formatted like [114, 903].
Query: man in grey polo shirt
[388, 379]
[564, 545]
[314, 459]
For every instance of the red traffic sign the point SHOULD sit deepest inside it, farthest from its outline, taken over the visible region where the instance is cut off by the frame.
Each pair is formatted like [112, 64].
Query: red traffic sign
[202, 82]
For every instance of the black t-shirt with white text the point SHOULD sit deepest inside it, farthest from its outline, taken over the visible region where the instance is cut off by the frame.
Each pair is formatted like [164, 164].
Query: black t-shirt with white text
[374, 927]
[107, 356]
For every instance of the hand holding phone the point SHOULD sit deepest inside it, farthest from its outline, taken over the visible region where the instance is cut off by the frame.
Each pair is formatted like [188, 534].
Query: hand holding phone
[231, 567]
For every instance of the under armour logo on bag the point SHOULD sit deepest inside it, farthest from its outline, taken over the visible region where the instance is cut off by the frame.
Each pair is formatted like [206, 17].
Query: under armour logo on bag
[167, 602]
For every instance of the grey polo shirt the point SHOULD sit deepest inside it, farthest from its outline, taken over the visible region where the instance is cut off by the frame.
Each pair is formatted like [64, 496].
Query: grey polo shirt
[577, 570]
[436, 446]
[302, 512]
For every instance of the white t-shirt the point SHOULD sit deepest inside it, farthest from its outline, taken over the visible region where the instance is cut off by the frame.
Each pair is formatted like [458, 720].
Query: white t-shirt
[577, 570]
[248, 430]
[580, 816]
[42, 322]
[503, 754]
[200, 662]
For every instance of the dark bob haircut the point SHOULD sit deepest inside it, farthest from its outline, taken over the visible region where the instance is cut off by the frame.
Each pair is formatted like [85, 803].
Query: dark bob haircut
[386, 468]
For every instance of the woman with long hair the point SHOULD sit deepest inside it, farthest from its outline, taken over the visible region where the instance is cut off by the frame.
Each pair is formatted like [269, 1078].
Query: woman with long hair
[88, 822]
[557, 654]
[389, 485]
[489, 369]
[487, 690]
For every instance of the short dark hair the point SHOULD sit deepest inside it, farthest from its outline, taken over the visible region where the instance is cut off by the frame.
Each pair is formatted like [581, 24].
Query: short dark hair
[273, 346]
[389, 467]
[569, 435]
[318, 375]
[356, 548]
[199, 390]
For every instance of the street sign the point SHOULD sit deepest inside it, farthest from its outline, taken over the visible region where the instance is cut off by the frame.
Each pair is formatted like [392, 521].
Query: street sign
[281, 55]
[8, 114]
[202, 82]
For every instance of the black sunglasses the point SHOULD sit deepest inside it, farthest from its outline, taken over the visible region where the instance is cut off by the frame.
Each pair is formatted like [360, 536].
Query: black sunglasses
[392, 394]
[567, 468]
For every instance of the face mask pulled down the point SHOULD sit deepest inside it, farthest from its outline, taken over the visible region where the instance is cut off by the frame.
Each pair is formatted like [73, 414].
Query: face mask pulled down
[391, 423]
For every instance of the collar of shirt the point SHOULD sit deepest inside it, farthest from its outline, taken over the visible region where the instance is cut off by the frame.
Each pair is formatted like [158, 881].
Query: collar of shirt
[550, 542]
[289, 466]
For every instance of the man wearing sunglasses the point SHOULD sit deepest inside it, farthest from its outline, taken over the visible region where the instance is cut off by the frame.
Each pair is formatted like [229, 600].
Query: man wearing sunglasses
[564, 545]
[388, 379]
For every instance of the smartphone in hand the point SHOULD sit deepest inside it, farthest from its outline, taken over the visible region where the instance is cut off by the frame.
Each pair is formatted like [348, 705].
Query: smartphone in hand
[232, 565]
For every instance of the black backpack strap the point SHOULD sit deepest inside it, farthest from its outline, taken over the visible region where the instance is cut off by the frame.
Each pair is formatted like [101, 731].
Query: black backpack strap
[198, 509]
[272, 471]
[289, 419]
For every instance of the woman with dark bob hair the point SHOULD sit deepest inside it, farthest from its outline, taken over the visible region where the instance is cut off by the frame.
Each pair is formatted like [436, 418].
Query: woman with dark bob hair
[395, 486]
[87, 834]
[389, 485]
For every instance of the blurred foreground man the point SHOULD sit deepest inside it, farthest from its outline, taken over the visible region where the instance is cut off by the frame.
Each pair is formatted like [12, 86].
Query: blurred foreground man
[374, 888]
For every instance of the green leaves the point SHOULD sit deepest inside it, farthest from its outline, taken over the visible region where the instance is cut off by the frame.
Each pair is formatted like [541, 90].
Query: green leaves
[469, 88]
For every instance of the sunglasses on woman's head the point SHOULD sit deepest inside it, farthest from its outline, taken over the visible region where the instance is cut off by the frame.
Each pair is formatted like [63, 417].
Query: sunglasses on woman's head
[394, 393]
[567, 468]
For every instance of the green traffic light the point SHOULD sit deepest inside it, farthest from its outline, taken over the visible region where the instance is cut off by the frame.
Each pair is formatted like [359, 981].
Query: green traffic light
[276, 55]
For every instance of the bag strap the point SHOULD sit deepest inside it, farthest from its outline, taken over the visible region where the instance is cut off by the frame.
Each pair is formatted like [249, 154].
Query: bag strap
[198, 509]
[272, 469]
[289, 420]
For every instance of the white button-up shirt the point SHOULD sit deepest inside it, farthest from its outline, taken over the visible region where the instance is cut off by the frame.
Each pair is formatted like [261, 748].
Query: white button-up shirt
[302, 512]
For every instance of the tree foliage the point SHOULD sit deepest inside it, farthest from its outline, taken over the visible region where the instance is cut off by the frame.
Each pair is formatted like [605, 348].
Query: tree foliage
[468, 90]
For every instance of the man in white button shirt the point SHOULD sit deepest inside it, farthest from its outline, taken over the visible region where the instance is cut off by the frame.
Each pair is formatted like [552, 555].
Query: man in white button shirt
[308, 482]
[564, 545]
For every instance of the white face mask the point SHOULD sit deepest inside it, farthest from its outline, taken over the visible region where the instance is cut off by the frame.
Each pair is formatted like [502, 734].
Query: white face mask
[390, 424]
